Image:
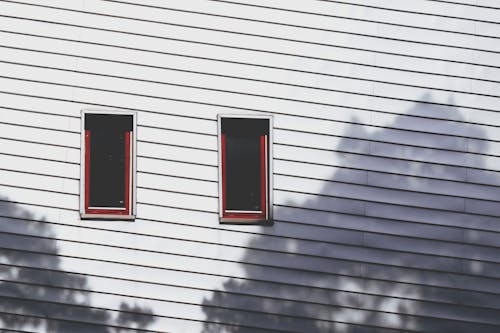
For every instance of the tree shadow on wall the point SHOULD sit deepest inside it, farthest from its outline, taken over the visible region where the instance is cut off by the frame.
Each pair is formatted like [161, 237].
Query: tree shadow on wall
[36, 294]
[397, 258]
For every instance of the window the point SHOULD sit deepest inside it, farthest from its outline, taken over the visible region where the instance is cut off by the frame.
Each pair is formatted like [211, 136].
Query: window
[245, 168]
[108, 165]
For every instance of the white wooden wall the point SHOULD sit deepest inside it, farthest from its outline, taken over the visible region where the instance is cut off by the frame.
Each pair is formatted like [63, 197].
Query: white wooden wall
[386, 166]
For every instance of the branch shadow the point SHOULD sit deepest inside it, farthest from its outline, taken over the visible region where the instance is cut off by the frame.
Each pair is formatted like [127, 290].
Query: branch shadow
[396, 258]
[35, 291]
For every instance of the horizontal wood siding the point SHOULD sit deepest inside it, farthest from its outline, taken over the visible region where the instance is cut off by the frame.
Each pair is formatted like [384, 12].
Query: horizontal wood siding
[386, 166]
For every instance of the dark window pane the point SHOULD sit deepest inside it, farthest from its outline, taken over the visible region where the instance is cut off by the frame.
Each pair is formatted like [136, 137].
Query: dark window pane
[108, 122]
[243, 173]
[245, 126]
[107, 159]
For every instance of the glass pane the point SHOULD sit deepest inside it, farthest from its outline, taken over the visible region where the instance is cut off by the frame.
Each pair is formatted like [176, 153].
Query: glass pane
[107, 159]
[243, 173]
[107, 169]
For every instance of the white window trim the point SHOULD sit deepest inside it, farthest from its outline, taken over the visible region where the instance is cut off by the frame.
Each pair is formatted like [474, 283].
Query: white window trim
[269, 175]
[133, 175]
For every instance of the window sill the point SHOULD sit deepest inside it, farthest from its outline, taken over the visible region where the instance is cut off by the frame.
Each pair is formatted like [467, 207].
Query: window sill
[233, 220]
[107, 217]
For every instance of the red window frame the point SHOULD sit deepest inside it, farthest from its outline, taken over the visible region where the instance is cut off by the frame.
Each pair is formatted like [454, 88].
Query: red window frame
[126, 212]
[248, 216]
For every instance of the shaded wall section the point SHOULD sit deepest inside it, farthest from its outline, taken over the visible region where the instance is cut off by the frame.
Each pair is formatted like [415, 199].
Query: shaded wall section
[47, 297]
[395, 249]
